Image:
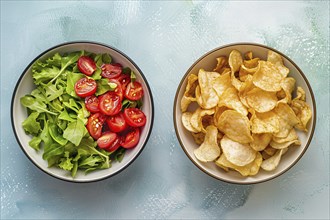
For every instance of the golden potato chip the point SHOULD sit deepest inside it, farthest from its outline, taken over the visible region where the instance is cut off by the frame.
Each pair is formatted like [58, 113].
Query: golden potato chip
[301, 95]
[267, 122]
[189, 94]
[245, 88]
[303, 112]
[186, 118]
[287, 85]
[196, 119]
[260, 100]
[276, 145]
[218, 112]
[287, 119]
[237, 153]
[277, 60]
[260, 141]
[243, 74]
[222, 83]
[235, 125]
[235, 61]
[270, 150]
[231, 100]
[251, 64]
[209, 150]
[222, 63]
[208, 94]
[272, 162]
[255, 165]
[198, 137]
[267, 77]
[291, 136]
[248, 55]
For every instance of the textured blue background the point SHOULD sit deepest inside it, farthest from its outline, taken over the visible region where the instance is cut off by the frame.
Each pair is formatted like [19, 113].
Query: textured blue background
[164, 39]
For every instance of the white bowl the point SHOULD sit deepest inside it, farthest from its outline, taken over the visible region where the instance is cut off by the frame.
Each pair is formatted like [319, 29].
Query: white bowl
[19, 113]
[208, 62]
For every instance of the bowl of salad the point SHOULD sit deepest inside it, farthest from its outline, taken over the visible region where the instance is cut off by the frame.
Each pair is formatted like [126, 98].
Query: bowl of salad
[82, 111]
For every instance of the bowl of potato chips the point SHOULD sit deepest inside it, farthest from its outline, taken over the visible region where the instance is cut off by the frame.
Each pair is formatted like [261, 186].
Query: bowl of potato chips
[244, 113]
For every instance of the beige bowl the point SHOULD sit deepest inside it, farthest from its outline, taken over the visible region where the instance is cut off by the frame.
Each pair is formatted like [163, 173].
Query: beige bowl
[25, 85]
[208, 62]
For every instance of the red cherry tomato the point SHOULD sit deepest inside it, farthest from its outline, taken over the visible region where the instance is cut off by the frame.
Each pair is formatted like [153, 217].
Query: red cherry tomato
[134, 117]
[85, 87]
[124, 79]
[106, 139]
[94, 125]
[131, 139]
[117, 122]
[86, 65]
[110, 103]
[115, 145]
[110, 71]
[118, 90]
[134, 91]
[92, 104]
[117, 64]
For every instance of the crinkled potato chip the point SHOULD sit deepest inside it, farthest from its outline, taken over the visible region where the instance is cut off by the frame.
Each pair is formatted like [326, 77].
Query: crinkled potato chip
[186, 121]
[260, 141]
[267, 77]
[231, 100]
[189, 94]
[208, 95]
[237, 153]
[209, 150]
[235, 125]
[267, 122]
[272, 162]
[246, 108]
[260, 100]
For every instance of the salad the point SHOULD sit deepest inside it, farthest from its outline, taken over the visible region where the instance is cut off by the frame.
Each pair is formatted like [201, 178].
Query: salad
[85, 111]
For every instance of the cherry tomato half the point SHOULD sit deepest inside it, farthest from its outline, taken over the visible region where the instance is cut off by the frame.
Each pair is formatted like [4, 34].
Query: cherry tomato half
[92, 103]
[118, 90]
[110, 103]
[134, 91]
[94, 125]
[124, 79]
[117, 122]
[134, 117]
[110, 71]
[131, 139]
[115, 145]
[85, 87]
[86, 65]
[106, 139]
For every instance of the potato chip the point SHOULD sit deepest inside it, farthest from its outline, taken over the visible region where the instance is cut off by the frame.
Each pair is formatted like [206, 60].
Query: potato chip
[277, 60]
[189, 94]
[260, 100]
[235, 61]
[291, 136]
[287, 119]
[196, 119]
[260, 141]
[301, 95]
[287, 85]
[222, 63]
[247, 170]
[272, 162]
[248, 55]
[245, 88]
[251, 64]
[198, 137]
[303, 112]
[222, 83]
[208, 94]
[237, 153]
[218, 112]
[209, 150]
[267, 122]
[276, 145]
[267, 77]
[235, 125]
[186, 118]
[231, 100]
[270, 150]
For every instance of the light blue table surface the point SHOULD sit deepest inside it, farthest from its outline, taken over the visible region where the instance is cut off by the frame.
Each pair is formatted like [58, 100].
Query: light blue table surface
[164, 39]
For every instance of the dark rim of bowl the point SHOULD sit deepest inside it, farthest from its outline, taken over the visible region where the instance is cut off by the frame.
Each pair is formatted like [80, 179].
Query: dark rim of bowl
[72, 43]
[242, 44]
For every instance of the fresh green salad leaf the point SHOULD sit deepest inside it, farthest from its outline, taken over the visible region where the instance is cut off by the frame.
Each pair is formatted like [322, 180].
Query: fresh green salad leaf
[30, 125]
[75, 132]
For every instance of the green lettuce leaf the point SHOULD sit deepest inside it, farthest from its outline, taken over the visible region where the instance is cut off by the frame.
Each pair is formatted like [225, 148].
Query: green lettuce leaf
[31, 125]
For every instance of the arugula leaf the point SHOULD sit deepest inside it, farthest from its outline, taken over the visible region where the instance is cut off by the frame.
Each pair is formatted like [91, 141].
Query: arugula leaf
[35, 143]
[52, 150]
[65, 62]
[120, 153]
[72, 78]
[54, 133]
[104, 86]
[30, 124]
[52, 92]
[45, 75]
[35, 104]
[75, 132]
[65, 162]
[106, 58]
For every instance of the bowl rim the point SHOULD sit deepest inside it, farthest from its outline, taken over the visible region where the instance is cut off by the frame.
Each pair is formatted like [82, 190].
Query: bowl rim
[72, 43]
[242, 44]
